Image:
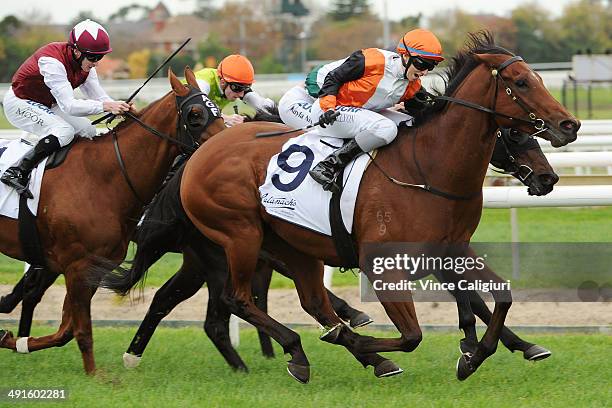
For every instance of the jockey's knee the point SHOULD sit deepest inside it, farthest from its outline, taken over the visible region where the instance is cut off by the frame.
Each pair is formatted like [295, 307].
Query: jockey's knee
[293, 107]
[64, 134]
[380, 133]
[88, 131]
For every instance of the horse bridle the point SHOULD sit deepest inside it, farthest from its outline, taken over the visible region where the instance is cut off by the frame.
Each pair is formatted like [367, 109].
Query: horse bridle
[538, 123]
[185, 140]
[521, 171]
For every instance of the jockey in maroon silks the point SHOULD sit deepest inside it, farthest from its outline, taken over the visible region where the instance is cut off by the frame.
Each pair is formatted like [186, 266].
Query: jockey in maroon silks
[41, 98]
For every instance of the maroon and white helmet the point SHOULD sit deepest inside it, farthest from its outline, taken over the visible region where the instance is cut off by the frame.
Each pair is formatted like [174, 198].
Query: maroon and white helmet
[90, 37]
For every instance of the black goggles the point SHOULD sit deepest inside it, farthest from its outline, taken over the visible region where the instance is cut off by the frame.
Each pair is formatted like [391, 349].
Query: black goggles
[237, 87]
[423, 64]
[93, 57]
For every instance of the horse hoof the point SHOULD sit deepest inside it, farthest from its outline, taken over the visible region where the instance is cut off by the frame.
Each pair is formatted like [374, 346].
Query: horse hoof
[536, 353]
[464, 366]
[299, 372]
[466, 346]
[241, 369]
[332, 334]
[387, 369]
[131, 361]
[360, 320]
[4, 334]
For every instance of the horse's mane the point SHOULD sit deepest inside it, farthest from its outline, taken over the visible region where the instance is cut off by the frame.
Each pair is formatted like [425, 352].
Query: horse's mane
[127, 121]
[481, 42]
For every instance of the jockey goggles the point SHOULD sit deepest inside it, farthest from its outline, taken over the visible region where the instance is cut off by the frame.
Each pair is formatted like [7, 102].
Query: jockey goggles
[238, 87]
[93, 57]
[422, 64]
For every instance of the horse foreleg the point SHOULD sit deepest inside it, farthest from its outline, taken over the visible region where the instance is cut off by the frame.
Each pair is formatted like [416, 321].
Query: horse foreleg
[346, 312]
[183, 285]
[79, 293]
[468, 363]
[260, 287]
[307, 273]
[9, 302]
[509, 339]
[37, 281]
[30, 344]
[242, 251]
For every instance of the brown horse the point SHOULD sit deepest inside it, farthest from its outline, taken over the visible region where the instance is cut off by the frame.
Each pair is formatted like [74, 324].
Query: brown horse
[448, 154]
[95, 215]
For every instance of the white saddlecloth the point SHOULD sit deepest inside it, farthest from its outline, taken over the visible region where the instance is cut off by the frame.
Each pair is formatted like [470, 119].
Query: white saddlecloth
[308, 204]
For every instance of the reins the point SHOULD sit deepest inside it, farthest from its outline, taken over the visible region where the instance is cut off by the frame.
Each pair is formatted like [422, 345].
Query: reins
[538, 124]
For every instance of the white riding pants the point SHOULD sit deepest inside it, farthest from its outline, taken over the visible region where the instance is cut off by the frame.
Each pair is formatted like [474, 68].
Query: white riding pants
[38, 119]
[369, 129]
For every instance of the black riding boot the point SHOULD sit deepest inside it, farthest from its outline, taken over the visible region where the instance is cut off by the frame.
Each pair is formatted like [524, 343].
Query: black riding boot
[325, 171]
[18, 176]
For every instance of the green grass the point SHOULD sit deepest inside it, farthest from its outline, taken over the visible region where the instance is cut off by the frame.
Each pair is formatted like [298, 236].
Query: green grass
[181, 368]
[601, 100]
[535, 225]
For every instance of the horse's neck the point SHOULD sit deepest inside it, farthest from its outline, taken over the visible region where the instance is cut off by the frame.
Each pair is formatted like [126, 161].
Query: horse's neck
[454, 148]
[147, 157]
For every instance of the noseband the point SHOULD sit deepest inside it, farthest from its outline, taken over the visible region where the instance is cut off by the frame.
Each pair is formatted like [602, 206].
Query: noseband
[185, 140]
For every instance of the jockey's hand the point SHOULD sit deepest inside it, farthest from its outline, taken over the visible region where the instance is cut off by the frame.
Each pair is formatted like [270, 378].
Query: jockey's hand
[133, 109]
[328, 118]
[232, 120]
[115, 107]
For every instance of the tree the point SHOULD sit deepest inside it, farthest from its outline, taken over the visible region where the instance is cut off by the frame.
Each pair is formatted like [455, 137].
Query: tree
[205, 9]
[538, 38]
[451, 28]
[212, 50]
[124, 13]
[586, 24]
[138, 62]
[338, 39]
[83, 15]
[346, 9]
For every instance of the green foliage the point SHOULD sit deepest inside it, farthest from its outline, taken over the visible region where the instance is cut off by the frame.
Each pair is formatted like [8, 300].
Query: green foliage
[213, 47]
[345, 9]
[269, 65]
[178, 64]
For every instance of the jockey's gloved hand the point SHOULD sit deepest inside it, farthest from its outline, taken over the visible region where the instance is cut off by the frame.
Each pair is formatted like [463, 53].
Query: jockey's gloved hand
[328, 118]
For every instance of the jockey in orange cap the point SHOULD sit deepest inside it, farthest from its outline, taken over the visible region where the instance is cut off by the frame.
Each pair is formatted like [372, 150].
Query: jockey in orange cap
[232, 80]
[360, 89]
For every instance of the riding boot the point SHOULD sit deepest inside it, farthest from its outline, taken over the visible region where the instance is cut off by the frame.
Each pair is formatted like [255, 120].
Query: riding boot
[325, 171]
[18, 176]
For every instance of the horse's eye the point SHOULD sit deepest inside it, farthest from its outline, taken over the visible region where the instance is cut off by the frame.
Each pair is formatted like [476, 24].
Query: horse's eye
[521, 83]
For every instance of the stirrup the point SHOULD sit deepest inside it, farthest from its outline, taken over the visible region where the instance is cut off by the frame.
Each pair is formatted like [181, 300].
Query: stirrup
[15, 182]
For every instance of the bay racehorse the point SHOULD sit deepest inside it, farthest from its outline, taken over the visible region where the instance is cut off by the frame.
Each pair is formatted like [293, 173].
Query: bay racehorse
[90, 205]
[166, 228]
[447, 156]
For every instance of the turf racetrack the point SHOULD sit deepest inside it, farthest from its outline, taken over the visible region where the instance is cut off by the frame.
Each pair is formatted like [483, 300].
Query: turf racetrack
[182, 368]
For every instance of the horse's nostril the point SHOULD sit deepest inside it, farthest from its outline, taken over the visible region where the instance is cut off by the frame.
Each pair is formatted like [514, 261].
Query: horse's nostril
[548, 179]
[569, 125]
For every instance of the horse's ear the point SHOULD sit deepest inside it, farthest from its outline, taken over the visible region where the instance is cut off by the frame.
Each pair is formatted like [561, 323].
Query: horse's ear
[191, 79]
[177, 87]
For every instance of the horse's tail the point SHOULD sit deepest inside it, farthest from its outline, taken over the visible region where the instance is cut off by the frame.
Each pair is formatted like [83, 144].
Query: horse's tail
[269, 114]
[162, 230]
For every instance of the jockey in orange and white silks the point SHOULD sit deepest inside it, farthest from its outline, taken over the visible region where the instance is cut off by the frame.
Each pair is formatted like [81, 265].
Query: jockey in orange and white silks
[232, 80]
[354, 94]
[41, 97]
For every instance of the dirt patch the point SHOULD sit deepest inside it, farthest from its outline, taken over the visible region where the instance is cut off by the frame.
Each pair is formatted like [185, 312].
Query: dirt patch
[285, 307]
